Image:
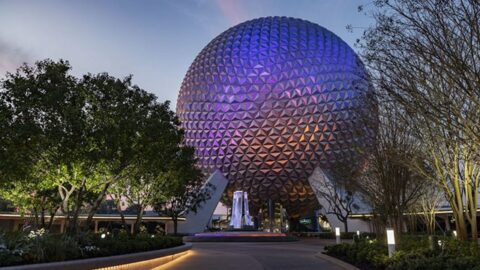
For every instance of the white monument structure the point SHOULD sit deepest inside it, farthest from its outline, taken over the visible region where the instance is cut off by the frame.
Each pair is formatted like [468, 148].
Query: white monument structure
[247, 219]
[240, 213]
[197, 222]
[315, 180]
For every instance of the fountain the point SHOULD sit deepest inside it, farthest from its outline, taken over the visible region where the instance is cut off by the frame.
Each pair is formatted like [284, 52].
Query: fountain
[240, 213]
[242, 227]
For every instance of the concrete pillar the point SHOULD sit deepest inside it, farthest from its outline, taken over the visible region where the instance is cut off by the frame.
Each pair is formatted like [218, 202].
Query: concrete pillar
[168, 227]
[270, 215]
[131, 228]
[96, 226]
[62, 226]
[317, 224]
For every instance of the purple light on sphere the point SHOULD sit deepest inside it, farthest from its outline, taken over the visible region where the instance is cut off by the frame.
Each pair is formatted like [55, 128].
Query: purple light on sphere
[269, 100]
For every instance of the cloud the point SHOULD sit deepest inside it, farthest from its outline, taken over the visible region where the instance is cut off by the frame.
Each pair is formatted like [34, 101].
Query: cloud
[11, 57]
[233, 11]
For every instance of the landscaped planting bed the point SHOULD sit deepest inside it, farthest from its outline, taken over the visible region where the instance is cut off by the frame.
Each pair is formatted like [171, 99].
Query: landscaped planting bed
[331, 235]
[413, 253]
[39, 246]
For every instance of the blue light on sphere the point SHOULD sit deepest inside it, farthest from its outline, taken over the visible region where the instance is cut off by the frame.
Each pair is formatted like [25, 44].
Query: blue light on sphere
[269, 100]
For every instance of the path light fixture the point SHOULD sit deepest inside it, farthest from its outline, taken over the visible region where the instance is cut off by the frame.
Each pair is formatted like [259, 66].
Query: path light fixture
[390, 242]
[454, 234]
[337, 235]
[440, 244]
[103, 236]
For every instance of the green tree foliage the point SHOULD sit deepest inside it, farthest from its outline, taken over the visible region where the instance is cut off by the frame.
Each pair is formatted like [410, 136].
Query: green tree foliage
[65, 141]
[36, 107]
[181, 191]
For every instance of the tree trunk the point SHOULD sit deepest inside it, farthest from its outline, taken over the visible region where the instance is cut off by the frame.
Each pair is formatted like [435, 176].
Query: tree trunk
[73, 226]
[431, 224]
[345, 225]
[120, 211]
[472, 201]
[460, 225]
[474, 230]
[42, 214]
[73, 221]
[138, 221]
[52, 216]
[175, 221]
[35, 217]
[97, 203]
[65, 196]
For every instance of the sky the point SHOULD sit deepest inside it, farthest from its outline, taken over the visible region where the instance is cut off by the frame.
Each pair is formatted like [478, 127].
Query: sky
[155, 41]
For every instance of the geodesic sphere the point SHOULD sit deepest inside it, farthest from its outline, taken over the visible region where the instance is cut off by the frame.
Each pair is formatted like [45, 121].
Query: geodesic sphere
[270, 99]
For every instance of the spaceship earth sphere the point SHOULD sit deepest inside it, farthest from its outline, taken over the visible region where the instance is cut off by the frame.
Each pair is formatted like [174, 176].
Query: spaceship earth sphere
[270, 99]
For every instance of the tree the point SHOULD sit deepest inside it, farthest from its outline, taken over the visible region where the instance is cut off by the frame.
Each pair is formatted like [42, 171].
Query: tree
[157, 144]
[80, 136]
[424, 54]
[341, 201]
[36, 108]
[389, 185]
[454, 168]
[42, 124]
[182, 190]
[427, 207]
[131, 132]
[34, 199]
[138, 192]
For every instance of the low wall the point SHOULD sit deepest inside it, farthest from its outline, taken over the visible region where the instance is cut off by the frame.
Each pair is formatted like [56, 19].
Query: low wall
[240, 239]
[138, 261]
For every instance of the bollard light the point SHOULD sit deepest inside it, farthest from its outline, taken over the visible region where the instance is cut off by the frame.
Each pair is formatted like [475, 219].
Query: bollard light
[390, 242]
[103, 236]
[337, 235]
[358, 233]
[390, 237]
[440, 243]
[454, 234]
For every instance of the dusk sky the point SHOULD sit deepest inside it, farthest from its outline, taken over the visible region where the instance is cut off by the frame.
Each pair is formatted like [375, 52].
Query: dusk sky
[156, 41]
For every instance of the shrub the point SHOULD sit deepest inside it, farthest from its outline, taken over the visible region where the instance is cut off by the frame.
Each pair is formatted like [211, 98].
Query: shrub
[12, 248]
[413, 243]
[39, 246]
[418, 261]
[364, 253]
[413, 252]
[331, 235]
[59, 248]
[457, 248]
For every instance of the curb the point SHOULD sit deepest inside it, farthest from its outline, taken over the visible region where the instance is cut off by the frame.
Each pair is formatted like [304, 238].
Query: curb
[336, 261]
[239, 239]
[142, 261]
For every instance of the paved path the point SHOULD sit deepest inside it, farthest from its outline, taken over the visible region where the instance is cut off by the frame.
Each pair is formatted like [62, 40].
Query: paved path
[253, 256]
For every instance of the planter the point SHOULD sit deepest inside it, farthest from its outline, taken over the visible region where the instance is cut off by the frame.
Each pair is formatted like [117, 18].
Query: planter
[139, 261]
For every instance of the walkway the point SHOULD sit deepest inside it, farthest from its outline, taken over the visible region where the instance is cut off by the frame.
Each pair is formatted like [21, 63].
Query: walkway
[253, 256]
